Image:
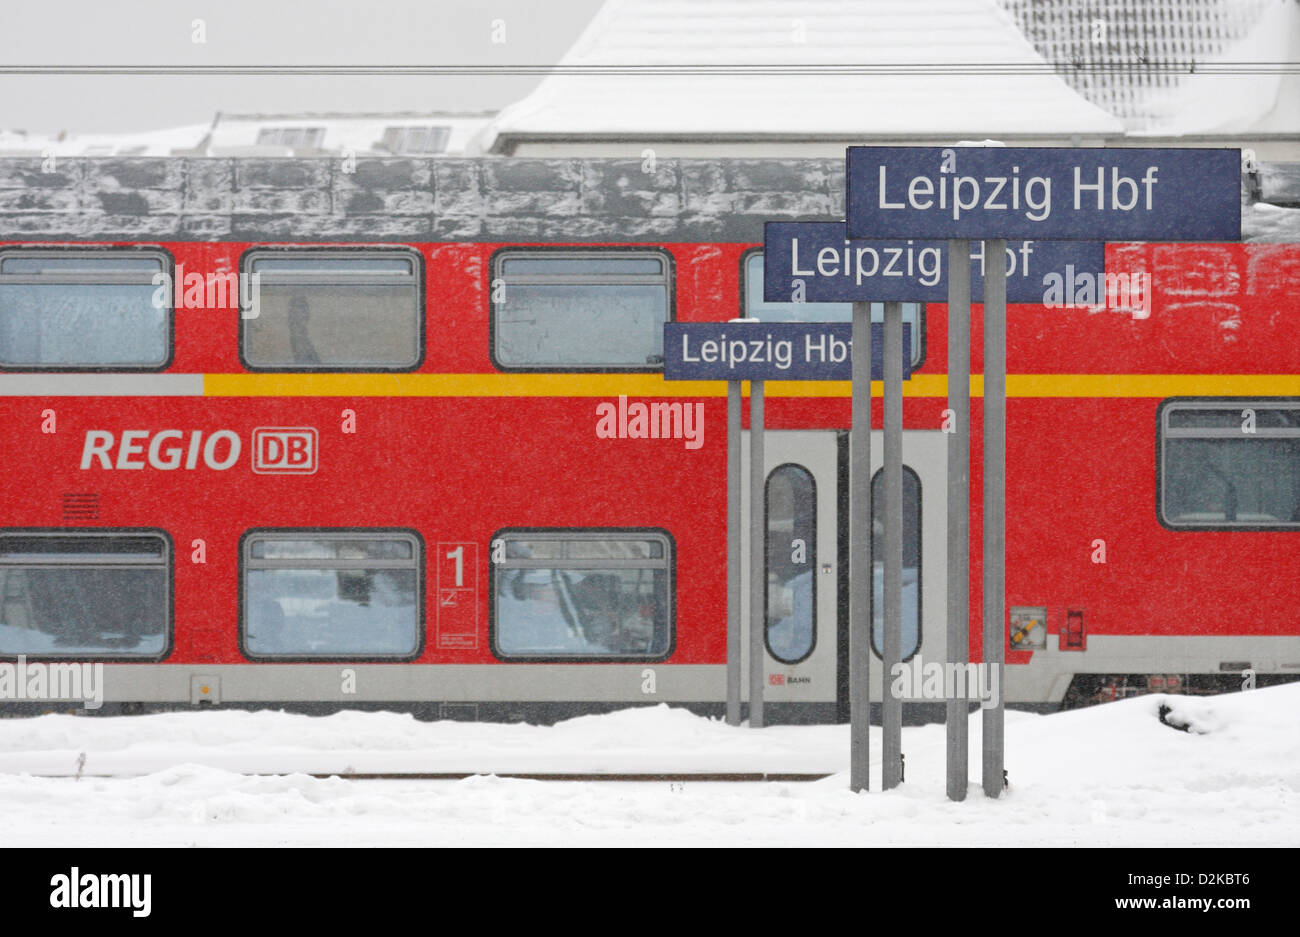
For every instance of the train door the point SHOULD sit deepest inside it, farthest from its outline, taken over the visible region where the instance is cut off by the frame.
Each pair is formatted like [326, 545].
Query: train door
[805, 660]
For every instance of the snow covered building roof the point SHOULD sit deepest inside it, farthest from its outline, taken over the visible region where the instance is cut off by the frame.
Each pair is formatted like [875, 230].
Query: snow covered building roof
[148, 143]
[379, 134]
[1105, 49]
[582, 101]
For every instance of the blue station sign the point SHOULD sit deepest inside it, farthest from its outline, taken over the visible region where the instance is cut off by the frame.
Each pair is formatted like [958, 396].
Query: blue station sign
[750, 350]
[815, 262]
[1119, 194]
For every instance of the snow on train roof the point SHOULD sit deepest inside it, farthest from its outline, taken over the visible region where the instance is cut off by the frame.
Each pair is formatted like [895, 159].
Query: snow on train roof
[781, 32]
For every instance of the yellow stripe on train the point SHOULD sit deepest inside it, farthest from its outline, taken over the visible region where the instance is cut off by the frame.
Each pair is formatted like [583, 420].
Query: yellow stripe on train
[653, 385]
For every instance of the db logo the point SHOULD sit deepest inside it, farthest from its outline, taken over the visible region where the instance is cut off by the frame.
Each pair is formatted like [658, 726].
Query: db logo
[776, 679]
[284, 450]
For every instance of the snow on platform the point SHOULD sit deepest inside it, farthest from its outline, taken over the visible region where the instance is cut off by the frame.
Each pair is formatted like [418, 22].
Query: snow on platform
[1108, 775]
[633, 741]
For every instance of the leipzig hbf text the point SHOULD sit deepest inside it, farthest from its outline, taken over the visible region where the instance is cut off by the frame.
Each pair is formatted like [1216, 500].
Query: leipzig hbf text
[779, 353]
[1031, 195]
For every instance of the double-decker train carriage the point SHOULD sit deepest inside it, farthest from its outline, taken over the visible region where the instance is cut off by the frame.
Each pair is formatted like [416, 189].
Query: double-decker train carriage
[280, 434]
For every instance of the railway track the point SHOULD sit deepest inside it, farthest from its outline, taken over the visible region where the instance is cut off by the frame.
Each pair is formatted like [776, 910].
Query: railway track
[669, 777]
[533, 776]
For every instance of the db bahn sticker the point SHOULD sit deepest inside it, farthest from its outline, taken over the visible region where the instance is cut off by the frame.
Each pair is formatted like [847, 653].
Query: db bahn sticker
[285, 450]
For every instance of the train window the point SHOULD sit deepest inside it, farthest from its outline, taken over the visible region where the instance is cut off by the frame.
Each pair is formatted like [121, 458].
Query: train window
[584, 595]
[1229, 464]
[332, 594]
[911, 563]
[791, 615]
[755, 307]
[85, 594]
[104, 309]
[333, 310]
[596, 310]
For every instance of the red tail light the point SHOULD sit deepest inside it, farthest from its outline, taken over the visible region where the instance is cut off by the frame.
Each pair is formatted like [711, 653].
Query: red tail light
[1073, 637]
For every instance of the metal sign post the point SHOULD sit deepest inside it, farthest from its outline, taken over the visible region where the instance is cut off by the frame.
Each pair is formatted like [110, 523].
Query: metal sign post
[757, 558]
[860, 571]
[819, 260]
[958, 758]
[808, 351]
[733, 553]
[892, 586]
[1046, 193]
[995, 495]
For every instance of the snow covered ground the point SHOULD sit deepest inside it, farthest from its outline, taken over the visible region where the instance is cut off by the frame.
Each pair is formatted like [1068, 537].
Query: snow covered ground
[1109, 775]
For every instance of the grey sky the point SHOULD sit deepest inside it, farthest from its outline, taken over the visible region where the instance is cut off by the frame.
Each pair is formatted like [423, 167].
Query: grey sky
[267, 32]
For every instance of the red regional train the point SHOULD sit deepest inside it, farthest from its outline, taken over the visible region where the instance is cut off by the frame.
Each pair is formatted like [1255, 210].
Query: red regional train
[450, 478]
